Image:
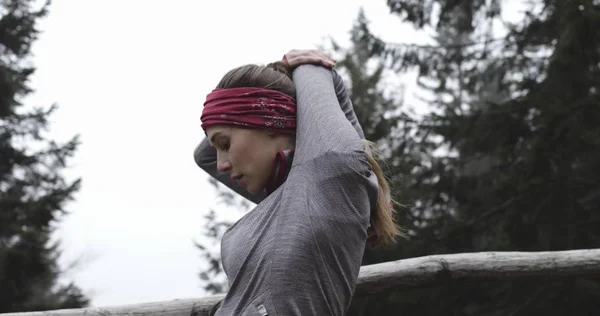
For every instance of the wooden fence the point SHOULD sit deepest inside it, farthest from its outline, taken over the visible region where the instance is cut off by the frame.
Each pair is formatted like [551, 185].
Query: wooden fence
[396, 275]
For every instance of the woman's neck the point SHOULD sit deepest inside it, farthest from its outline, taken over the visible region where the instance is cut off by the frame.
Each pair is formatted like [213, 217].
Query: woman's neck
[281, 168]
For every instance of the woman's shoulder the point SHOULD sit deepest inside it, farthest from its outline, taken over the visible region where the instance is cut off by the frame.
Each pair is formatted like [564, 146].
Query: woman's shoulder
[334, 167]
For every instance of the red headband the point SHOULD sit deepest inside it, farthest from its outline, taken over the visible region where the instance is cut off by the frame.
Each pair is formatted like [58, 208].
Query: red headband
[250, 107]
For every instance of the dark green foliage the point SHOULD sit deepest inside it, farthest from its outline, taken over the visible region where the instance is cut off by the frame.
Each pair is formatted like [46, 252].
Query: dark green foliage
[508, 159]
[518, 118]
[32, 191]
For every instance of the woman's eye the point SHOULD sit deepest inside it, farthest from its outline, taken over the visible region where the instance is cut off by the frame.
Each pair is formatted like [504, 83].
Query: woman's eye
[225, 146]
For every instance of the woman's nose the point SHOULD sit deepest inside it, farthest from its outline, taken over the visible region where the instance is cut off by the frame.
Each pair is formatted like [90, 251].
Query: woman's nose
[223, 165]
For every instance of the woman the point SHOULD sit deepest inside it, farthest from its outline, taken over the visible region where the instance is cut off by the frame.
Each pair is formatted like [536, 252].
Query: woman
[296, 149]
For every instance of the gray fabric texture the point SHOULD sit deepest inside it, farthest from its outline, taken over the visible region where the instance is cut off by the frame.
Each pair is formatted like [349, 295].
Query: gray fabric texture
[298, 252]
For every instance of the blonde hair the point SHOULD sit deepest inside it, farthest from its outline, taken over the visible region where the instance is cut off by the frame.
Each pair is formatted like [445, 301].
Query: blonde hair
[276, 76]
[384, 220]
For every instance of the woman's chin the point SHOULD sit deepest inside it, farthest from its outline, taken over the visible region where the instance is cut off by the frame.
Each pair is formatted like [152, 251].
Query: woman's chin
[253, 189]
[250, 189]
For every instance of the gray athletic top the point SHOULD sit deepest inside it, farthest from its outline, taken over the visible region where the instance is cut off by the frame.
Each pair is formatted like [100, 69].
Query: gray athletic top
[299, 251]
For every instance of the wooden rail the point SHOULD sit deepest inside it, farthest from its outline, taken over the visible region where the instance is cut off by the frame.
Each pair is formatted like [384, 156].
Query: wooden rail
[396, 275]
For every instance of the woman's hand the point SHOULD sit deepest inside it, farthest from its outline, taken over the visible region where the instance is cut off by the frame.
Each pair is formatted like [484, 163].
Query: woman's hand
[297, 57]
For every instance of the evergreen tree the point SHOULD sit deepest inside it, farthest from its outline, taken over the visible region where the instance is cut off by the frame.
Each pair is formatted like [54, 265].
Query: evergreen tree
[517, 117]
[32, 191]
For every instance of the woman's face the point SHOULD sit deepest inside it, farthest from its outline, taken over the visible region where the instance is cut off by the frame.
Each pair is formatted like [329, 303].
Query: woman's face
[246, 155]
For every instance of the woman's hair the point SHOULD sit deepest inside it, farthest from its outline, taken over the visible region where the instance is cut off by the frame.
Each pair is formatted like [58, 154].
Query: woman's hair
[276, 76]
[273, 76]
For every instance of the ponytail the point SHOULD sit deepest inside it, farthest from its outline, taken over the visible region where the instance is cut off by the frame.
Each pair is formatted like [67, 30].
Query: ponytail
[383, 221]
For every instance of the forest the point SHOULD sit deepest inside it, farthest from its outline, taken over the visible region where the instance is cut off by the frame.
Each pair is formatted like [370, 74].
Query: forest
[506, 158]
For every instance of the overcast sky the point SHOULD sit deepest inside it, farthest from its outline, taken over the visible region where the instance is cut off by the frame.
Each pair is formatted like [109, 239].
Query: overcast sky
[131, 78]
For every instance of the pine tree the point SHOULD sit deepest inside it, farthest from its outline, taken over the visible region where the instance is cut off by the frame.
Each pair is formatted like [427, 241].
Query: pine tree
[33, 193]
[517, 117]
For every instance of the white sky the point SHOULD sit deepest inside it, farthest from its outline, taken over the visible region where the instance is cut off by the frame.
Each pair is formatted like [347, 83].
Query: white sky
[131, 77]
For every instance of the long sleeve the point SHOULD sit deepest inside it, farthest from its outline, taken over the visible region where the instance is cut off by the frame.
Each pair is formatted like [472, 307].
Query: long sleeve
[322, 125]
[206, 156]
[346, 103]
[326, 204]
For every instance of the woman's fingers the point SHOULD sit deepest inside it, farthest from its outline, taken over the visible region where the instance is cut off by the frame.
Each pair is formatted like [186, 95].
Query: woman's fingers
[295, 58]
[310, 59]
[325, 56]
